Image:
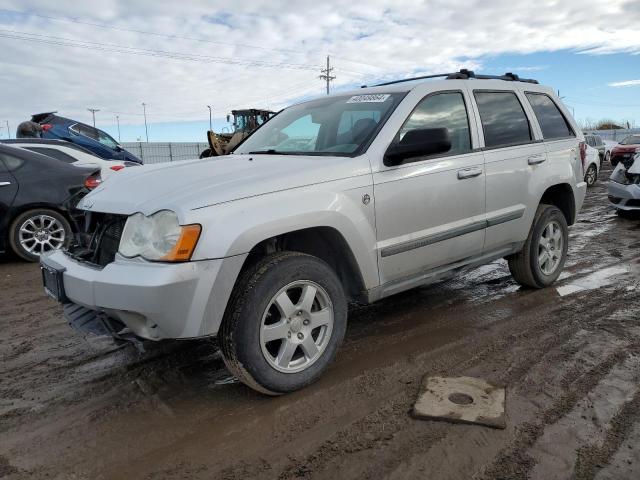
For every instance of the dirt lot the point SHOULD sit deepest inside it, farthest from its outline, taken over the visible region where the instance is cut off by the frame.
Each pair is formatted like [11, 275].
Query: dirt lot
[75, 408]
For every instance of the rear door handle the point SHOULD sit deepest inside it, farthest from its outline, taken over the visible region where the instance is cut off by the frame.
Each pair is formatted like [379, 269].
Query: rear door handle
[469, 173]
[535, 159]
[4, 184]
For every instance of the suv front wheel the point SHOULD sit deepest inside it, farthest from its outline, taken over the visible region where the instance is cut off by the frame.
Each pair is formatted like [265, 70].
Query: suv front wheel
[542, 258]
[284, 323]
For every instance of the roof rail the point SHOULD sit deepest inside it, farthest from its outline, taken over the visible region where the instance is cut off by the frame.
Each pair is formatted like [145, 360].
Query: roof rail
[463, 74]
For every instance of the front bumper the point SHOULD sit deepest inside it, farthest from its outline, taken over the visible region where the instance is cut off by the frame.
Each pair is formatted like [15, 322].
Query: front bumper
[154, 300]
[624, 197]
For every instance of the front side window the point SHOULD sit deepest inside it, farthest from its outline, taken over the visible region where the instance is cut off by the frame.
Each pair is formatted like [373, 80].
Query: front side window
[503, 119]
[337, 126]
[442, 110]
[94, 134]
[552, 122]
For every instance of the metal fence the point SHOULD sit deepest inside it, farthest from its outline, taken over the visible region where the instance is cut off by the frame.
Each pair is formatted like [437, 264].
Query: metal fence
[615, 135]
[160, 152]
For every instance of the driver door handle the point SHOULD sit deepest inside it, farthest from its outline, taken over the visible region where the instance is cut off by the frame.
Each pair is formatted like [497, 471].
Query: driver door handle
[4, 184]
[536, 159]
[469, 173]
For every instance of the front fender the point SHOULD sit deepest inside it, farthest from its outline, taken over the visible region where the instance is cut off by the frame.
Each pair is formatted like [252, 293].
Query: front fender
[236, 227]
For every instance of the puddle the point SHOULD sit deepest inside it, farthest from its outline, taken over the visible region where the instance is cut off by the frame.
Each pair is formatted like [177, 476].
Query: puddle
[592, 281]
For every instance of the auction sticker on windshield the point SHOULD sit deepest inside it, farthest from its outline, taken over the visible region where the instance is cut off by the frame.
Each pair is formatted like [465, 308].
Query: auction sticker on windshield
[371, 98]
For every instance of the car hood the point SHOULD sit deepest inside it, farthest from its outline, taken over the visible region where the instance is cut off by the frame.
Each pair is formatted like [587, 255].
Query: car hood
[187, 185]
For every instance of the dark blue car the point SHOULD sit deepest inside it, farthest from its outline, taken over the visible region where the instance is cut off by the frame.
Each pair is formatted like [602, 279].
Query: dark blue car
[93, 139]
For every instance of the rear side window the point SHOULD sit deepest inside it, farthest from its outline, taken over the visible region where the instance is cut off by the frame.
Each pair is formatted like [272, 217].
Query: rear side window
[9, 163]
[503, 119]
[442, 110]
[552, 122]
[53, 153]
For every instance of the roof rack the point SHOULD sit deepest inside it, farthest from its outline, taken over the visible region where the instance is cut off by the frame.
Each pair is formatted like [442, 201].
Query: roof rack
[463, 74]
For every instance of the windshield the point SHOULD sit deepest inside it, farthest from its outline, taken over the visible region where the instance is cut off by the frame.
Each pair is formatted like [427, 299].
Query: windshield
[631, 140]
[341, 126]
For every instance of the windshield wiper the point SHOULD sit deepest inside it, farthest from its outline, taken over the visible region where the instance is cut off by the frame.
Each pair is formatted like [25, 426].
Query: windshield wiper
[270, 151]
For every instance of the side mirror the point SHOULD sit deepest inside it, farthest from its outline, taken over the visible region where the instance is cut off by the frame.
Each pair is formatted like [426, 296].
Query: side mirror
[418, 143]
[228, 118]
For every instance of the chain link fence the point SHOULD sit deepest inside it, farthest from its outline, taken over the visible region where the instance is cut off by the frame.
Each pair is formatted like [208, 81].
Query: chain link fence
[160, 152]
[615, 135]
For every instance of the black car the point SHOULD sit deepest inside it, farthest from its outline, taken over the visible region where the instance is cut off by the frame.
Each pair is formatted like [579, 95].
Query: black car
[37, 199]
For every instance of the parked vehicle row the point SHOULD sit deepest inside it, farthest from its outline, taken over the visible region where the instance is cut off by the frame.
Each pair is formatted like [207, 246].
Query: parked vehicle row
[384, 189]
[54, 127]
[38, 195]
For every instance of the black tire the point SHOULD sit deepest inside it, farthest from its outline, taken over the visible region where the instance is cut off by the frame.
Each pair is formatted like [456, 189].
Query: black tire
[14, 231]
[524, 265]
[591, 175]
[607, 157]
[239, 335]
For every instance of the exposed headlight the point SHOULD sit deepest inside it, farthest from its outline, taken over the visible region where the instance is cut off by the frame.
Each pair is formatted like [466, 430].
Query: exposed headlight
[619, 174]
[158, 237]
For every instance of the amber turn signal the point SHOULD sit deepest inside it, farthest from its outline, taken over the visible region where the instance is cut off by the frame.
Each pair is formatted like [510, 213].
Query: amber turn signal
[185, 245]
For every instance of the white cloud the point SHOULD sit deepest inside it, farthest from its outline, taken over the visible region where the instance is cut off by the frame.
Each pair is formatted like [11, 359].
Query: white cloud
[368, 42]
[626, 83]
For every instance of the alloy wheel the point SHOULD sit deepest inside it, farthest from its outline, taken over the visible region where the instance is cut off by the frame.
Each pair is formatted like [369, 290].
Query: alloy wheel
[40, 234]
[550, 248]
[296, 326]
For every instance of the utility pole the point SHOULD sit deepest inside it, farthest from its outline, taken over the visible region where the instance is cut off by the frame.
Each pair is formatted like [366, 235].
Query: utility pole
[8, 131]
[93, 112]
[146, 129]
[210, 124]
[118, 122]
[326, 74]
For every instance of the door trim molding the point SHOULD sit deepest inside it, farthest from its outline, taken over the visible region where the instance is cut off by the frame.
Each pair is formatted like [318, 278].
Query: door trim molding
[451, 233]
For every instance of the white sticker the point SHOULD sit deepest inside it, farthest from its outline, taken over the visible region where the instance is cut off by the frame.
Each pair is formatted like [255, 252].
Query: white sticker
[370, 98]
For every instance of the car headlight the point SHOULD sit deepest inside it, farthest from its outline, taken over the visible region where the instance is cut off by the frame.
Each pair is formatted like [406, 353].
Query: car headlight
[619, 174]
[158, 237]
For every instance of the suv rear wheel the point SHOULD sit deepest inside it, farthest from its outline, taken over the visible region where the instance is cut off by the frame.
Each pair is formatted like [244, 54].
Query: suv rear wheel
[285, 321]
[35, 232]
[542, 258]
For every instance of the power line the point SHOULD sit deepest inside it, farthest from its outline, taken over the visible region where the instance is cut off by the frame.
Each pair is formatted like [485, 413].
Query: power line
[156, 34]
[110, 47]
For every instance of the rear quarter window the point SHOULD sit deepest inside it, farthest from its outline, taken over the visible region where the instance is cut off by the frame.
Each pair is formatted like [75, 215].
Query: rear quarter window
[53, 153]
[552, 122]
[9, 163]
[503, 119]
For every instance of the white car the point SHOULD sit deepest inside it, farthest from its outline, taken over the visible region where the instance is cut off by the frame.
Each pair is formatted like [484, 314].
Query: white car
[591, 166]
[70, 153]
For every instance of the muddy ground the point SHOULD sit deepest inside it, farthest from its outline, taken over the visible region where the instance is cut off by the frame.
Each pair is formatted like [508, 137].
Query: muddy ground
[75, 408]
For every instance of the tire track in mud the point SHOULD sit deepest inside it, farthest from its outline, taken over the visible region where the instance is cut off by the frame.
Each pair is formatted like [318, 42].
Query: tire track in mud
[418, 446]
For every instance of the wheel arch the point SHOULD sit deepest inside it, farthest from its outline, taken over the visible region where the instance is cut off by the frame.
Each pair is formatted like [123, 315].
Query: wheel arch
[561, 196]
[323, 242]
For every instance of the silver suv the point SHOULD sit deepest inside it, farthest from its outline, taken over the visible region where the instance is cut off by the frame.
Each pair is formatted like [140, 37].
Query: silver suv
[345, 199]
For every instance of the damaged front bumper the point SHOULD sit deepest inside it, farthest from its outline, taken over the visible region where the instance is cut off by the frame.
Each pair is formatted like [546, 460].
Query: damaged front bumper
[150, 300]
[624, 185]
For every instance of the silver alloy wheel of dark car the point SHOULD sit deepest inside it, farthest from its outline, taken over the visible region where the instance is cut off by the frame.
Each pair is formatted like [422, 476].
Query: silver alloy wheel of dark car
[294, 336]
[40, 234]
[550, 248]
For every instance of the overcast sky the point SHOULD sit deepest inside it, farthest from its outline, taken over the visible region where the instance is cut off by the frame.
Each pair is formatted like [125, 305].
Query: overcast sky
[179, 57]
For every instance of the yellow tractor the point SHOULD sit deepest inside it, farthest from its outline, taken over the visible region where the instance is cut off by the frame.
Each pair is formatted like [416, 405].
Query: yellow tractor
[244, 122]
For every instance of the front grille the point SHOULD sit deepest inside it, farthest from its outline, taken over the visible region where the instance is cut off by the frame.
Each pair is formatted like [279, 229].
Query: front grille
[633, 203]
[100, 239]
